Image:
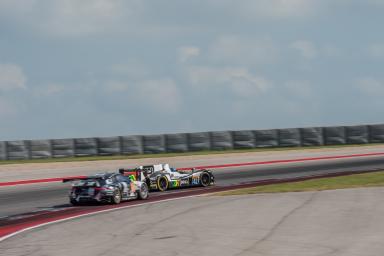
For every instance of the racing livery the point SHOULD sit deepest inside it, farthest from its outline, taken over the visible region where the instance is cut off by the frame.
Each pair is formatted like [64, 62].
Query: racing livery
[161, 177]
[106, 188]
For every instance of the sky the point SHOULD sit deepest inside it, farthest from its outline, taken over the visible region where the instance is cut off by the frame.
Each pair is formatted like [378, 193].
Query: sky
[71, 68]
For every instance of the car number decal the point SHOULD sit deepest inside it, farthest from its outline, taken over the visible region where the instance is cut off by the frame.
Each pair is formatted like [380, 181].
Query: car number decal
[195, 180]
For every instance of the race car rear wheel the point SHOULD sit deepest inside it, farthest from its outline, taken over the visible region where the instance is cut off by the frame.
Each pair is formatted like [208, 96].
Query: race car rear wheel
[148, 182]
[162, 183]
[74, 202]
[116, 198]
[205, 179]
[143, 192]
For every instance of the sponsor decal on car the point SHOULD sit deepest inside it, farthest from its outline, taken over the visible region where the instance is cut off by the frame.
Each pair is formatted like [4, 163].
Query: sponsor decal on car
[175, 183]
[195, 180]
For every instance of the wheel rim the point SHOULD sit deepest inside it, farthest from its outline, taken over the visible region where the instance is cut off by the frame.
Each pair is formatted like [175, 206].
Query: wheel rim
[163, 183]
[117, 197]
[144, 192]
[205, 179]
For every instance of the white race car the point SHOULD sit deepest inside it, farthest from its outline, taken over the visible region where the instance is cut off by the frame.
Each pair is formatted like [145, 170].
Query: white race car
[162, 177]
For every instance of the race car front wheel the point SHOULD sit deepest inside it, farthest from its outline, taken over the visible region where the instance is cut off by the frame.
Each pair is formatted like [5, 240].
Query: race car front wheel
[116, 198]
[74, 202]
[143, 192]
[162, 183]
[205, 179]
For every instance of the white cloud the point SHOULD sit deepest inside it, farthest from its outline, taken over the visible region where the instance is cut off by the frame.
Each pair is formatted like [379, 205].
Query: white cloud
[376, 50]
[300, 88]
[163, 94]
[133, 69]
[71, 18]
[49, 90]
[239, 80]
[12, 8]
[378, 3]
[279, 9]
[12, 77]
[82, 18]
[371, 86]
[306, 48]
[116, 86]
[7, 107]
[187, 52]
[243, 50]
[331, 51]
[160, 95]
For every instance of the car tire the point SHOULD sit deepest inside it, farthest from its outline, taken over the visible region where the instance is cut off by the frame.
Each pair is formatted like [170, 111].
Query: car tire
[162, 183]
[205, 179]
[143, 192]
[74, 202]
[116, 198]
[148, 182]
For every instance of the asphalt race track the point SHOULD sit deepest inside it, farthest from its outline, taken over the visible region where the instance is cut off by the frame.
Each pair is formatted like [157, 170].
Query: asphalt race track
[35, 197]
[248, 235]
[342, 222]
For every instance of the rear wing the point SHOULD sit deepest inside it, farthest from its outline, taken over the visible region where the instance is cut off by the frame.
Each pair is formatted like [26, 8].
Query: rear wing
[133, 174]
[69, 179]
[130, 172]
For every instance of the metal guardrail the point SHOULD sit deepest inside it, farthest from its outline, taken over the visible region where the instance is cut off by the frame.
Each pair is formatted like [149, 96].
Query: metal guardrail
[185, 142]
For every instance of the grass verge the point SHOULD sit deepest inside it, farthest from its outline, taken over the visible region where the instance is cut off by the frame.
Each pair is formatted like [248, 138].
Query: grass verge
[160, 155]
[373, 179]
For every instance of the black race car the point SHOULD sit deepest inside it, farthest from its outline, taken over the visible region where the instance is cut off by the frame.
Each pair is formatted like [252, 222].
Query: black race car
[161, 177]
[106, 188]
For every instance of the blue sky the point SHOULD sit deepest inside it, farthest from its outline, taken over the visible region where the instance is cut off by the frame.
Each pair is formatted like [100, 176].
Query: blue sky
[118, 67]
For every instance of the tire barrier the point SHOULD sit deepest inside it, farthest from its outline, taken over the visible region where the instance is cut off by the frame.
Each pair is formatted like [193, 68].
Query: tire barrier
[40, 149]
[376, 133]
[86, 147]
[153, 144]
[243, 139]
[266, 138]
[289, 138]
[3, 150]
[185, 142]
[131, 145]
[17, 150]
[334, 135]
[63, 148]
[312, 136]
[199, 141]
[176, 142]
[221, 140]
[357, 134]
[108, 146]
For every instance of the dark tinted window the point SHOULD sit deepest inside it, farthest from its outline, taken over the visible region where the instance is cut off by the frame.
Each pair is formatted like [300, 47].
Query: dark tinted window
[112, 179]
[90, 182]
[121, 178]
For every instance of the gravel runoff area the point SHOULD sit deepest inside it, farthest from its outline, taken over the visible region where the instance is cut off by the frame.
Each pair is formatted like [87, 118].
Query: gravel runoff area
[26, 171]
[348, 222]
